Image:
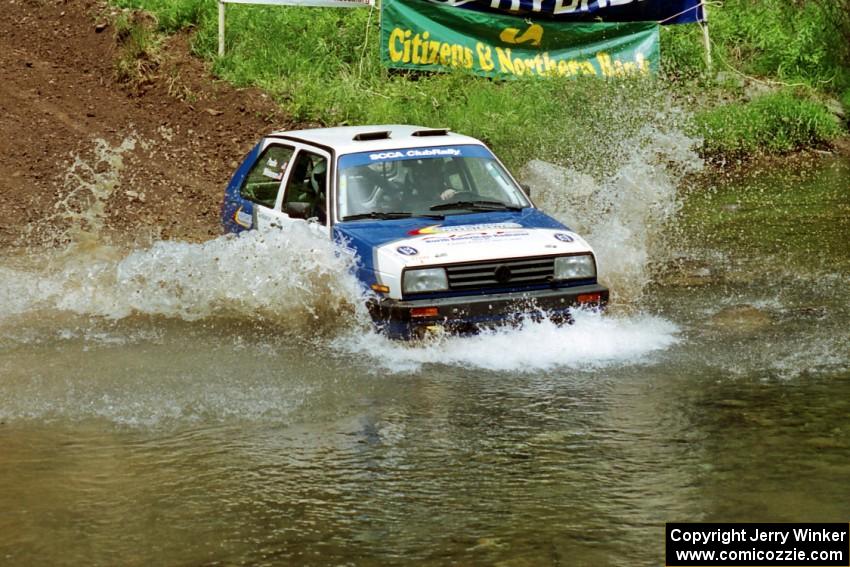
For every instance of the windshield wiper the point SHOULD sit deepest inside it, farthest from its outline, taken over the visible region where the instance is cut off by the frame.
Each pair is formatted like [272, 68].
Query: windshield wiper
[389, 215]
[377, 215]
[477, 206]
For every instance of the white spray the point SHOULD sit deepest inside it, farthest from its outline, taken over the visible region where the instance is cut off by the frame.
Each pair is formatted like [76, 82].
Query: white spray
[301, 284]
[623, 214]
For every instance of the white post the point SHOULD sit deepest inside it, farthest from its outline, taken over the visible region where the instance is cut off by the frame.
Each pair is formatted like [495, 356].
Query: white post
[706, 40]
[221, 28]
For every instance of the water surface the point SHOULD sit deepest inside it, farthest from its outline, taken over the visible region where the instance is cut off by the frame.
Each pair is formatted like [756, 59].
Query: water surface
[200, 405]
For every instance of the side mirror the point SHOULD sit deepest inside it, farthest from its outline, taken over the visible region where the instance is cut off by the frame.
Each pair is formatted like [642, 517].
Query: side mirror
[297, 210]
[527, 188]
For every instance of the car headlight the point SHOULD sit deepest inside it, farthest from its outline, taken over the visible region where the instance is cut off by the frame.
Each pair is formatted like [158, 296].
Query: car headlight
[579, 267]
[425, 279]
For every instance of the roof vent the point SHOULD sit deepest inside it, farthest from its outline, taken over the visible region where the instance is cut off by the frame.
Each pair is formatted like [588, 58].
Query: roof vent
[431, 132]
[367, 136]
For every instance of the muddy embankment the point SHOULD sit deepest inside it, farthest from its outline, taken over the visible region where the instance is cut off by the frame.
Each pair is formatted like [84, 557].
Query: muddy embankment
[161, 151]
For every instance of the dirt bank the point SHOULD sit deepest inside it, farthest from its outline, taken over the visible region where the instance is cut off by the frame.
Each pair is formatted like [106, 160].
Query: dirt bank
[60, 93]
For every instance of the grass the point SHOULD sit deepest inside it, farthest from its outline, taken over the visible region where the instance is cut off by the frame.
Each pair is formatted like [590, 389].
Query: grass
[173, 15]
[794, 42]
[323, 65]
[775, 123]
[139, 49]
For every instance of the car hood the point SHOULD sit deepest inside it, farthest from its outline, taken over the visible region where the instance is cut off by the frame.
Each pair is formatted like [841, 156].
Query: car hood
[458, 238]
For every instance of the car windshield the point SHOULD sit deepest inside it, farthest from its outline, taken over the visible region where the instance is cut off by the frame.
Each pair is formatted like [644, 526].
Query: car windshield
[443, 180]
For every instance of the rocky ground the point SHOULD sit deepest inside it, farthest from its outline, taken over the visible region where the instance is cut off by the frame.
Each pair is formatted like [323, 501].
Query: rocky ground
[61, 92]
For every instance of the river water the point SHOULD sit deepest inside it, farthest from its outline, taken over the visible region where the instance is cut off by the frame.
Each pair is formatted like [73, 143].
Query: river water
[226, 403]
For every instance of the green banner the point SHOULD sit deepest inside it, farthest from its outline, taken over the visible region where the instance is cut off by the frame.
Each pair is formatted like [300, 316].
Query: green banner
[416, 34]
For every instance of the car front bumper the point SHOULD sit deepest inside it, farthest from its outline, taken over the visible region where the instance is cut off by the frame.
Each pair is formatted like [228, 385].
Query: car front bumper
[465, 314]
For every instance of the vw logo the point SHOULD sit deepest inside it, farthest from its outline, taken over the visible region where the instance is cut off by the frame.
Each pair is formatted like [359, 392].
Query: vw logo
[407, 250]
[503, 274]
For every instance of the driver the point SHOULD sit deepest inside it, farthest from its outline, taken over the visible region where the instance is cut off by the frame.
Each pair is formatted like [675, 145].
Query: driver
[427, 179]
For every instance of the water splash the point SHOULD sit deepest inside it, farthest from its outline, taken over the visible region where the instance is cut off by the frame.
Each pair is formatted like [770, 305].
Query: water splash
[296, 284]
[79, 217]
[288, 278]
[623, 214]
[593, 341]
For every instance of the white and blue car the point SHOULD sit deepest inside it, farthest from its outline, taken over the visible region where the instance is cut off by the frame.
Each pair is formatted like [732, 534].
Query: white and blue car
[445, 237]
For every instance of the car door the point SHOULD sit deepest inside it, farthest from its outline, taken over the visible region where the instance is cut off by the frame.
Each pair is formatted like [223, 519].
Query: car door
[304, 195]
[257, 185]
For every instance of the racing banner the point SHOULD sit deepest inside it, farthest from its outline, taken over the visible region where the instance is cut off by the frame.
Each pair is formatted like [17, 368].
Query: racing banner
[417, 34]
[661, 11]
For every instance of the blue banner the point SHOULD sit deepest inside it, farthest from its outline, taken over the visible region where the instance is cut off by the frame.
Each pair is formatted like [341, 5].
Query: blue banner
[660, 11]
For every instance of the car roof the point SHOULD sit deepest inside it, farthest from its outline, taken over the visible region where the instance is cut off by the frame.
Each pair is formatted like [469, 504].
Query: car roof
[341, 139]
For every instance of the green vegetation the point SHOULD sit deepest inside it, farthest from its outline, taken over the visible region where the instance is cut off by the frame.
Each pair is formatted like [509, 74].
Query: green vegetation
[777, 122]
[801, 42]
[173, 15]
[776, 61]
[139, 49]
[323, 65]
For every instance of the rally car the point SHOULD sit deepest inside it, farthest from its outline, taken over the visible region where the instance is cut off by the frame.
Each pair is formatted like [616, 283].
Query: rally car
[445, 238]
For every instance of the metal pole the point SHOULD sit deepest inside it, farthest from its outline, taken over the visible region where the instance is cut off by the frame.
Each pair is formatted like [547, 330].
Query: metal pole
[221, 28]
[706, 40]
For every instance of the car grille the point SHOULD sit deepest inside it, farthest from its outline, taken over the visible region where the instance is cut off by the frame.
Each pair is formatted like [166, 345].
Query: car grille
[501, 273]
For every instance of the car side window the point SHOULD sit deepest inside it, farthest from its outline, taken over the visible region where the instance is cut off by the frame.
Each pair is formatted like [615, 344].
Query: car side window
[263, 181]
[307, 185]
